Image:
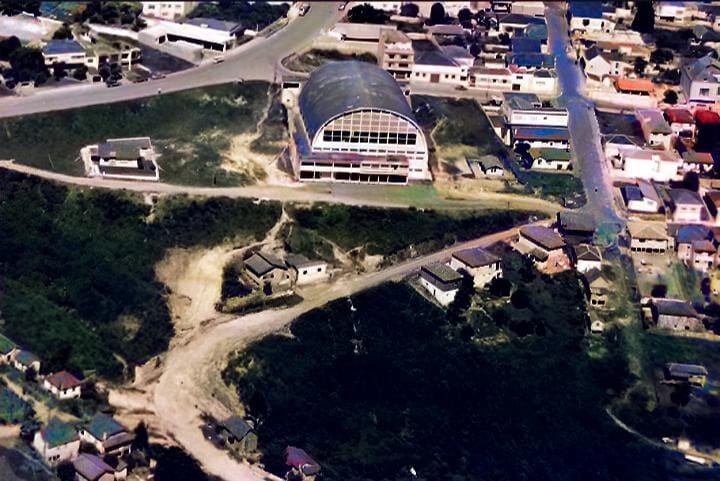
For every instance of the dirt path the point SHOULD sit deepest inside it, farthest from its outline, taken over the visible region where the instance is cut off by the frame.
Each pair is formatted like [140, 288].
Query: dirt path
[189, 382]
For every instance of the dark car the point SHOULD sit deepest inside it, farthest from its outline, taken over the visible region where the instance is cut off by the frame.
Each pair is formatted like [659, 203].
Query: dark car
[112, 83]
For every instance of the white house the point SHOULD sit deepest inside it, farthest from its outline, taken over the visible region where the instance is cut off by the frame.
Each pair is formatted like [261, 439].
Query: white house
[208, 33]
[588, 17]
[440, 281]
[526, 109]
[642, 197]
[481, 264]
[107, 435]
[674, 12]
[541, 137]
[63, 385]
[587, 257]
[307, 271]
[550, 159]
[699, 162]
[432, 65]
[66, 51]
[657, 165]
[704, 255]
[687, 206]
[24, 360]
[57, 443]
[681, 122]
[127, 159]
[539, 242]
[168, 10]
[700, 80]
[649, 237]
[655, 128]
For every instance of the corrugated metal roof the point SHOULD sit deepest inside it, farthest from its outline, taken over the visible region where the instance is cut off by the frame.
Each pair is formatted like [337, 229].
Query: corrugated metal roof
[55, 47]
[340, 87]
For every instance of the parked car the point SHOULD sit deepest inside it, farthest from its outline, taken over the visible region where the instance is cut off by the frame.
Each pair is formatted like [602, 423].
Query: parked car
[157, 76]
[220, 59]
[112, 83]
[304, 9]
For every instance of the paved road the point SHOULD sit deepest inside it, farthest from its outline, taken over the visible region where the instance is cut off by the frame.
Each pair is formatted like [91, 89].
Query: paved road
[584, 128]
[191, 382]
[256, 59]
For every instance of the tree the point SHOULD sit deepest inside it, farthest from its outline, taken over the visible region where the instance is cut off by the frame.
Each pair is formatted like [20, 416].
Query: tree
[499, 287]
[16, 7]
[64, 32]
[661, 55]
[141, 440]
[40, 78]
[644, 20]
[520, 299]
[28, 63]
[465, 16]
[691, 181]
[174, 464]
[8, 46]
[670, 97]
[59, 70]
[640, 65]
[463, 299]
[475, 49]
[409, 10]
[66, 472]
[366, 13]
[437, 14]
[80, 73]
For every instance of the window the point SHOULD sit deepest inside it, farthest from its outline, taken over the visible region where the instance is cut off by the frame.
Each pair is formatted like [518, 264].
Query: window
[586, 22]
[704, 92]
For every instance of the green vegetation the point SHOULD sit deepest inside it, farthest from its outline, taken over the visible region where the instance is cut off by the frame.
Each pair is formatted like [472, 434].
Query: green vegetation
[298, 240]
[552, 185]
[394, 385]
[272, 131]
[250, 15]
[192, 130]
[13, 410]
[315, 58]
[389, 231]
[110, 13]
[77, 283]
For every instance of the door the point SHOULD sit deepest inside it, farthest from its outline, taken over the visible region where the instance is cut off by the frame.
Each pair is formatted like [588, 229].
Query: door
[434, 78]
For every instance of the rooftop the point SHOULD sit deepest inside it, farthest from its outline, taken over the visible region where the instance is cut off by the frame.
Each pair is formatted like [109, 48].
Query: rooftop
[541, 133]
[685, 196]
[63, 380]
[102, 425]
[300, 261]
[476, 257]
[26, 357]
[214, 24]
[525, 45]
[586, 9]
[685, 370]
[299, 459]
[634, 85]
[647, 230]
[56, 47]
[543, 236]
[522, 19]
[588, 252]
[124, 149]
[236, 426]
[340, 87]
[260, 263]
[442, 272]
[91, 467]
[674, 307]
[6, 345]
[689, 233]
[703, 246]
[680, 116]
[58, 433]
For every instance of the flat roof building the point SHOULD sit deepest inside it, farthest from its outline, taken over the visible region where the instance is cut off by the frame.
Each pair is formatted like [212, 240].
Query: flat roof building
[129, 159]
[357, 126]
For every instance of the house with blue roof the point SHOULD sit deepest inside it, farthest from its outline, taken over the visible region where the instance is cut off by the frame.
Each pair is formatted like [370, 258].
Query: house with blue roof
[66, 51]
[521, 44]
[588, 17]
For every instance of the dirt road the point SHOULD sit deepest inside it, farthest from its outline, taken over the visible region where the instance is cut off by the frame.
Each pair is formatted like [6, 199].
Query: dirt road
[189, 383]
[302, 193]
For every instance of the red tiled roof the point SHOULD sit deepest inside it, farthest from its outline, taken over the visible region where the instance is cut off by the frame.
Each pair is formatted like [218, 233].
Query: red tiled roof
[679, 116]
[634, 85]
[63, 380]
[707, 117]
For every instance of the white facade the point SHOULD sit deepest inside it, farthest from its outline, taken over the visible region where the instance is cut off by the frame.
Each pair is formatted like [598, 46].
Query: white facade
[541, 163]
[671, 11]
[646, 205]
[62, 394]
[482, 275]
[588, 265]
[443, 297]
[52, 456]
[168, 10]
[209, 38]
[439, 74]
[410, 142]
[539, 117]
[72, 58]
[585, 24]
[310, 272]
[660, 166]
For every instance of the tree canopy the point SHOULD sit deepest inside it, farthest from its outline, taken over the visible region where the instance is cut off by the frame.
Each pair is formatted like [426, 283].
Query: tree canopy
[644, 20]
[366, 13]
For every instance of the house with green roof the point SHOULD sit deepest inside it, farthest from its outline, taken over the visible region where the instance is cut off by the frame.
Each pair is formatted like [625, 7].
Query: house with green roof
[7, 350]
[107, 435]
[25, 360]
[57, 443]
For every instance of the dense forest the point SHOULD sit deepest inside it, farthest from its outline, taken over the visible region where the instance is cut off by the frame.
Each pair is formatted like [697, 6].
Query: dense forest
[394, 385]
[77, 282]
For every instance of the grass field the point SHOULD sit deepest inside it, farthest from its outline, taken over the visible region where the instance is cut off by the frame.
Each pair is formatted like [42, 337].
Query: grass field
[193, 130]
[306, 62]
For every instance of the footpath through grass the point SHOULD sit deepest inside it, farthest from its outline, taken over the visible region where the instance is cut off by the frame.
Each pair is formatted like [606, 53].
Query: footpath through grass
[192, 130]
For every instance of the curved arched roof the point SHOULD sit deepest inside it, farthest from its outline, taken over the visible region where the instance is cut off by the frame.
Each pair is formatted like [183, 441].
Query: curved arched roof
[339, 87]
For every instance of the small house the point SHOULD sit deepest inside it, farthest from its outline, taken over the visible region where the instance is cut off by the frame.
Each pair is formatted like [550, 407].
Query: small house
[656, 130]
[300, 462]
[587, 257]
[107, 435]
[89, 467]
[128, 159]
[306, 271]
[549, 159]
[266, 269]
[703, 255]
[675, 315]
[588, 17]
[616, 145]
[57, 443]
[482, 265]
[649, 237]
[539, 137]
[25, 360]
[688, 235]
[238, 435]
[682, 122]
[632, 86]
[649, 164]
[63, 385]
[642, 197]
[576, 227]
[7, 350]
[687, 206]
[541, 244]
[698, 162]
[598, 288]
[491, 166]
[690, 373]
[440, 281]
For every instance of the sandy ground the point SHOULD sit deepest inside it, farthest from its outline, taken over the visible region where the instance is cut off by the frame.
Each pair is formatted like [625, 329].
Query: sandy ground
[172, 393]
